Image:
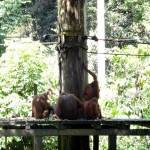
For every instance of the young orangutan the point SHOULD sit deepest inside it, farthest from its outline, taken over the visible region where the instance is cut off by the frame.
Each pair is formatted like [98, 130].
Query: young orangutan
[69, 107]
[91, 96]
[92, 109]
[91, 90]
[40, 106]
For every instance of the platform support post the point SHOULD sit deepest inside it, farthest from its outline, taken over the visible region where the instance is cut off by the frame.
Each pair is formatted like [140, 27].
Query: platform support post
[37, 144]
[95, 142]
[112, 142]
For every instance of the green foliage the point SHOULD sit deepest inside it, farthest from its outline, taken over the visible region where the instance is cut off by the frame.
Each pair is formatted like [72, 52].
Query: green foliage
[12, 15]
[26, 64]
[8, 103]
[44, 18]
[127, 19]
[25, 143]
[16, 143]
[50, 143]
[28, 18]
[20, 69]
[131, 143]
[91, 15]
[128, 82]
[127, 90]
[22, 66]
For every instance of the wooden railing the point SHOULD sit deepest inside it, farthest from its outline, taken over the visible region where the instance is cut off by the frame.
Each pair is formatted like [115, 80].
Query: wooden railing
[103, 127]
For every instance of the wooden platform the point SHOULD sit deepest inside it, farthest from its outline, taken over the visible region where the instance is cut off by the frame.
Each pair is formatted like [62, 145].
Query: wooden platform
[103, 127]
[32, 127]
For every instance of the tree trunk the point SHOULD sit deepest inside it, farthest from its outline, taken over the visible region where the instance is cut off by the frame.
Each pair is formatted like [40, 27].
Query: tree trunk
[72, 25]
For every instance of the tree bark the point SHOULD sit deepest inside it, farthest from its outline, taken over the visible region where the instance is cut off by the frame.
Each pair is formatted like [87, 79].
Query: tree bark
[72, 26]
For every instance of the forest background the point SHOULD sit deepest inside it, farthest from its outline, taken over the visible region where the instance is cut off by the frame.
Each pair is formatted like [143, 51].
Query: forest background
[28, 58]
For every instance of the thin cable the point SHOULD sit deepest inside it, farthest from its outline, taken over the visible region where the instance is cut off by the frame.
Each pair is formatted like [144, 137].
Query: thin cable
[95, 38]
[117, 40]
[119, 54]
[18, 42]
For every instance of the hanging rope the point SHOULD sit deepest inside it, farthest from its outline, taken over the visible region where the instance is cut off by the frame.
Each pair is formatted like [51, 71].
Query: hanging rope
[60, 67]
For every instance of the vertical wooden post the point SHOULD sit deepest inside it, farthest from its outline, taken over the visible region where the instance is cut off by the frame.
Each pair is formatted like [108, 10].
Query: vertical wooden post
[95, 142]
[37, 143]
[112, 142]
[72, 25]
[35, 89]
[37, 140]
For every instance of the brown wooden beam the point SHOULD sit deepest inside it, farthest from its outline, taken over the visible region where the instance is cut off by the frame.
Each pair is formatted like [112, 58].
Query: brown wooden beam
[75, 132]
[111, 122]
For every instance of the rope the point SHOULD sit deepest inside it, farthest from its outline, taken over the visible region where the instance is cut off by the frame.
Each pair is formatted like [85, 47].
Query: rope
[60, 67]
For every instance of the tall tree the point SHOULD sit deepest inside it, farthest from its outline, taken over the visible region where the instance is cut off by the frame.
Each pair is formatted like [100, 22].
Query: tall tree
[72, 25]
[127, 19]
[44, 15]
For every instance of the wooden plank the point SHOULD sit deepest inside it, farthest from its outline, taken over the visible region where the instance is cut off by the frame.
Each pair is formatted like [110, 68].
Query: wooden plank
[77, 132]
[98, 122]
